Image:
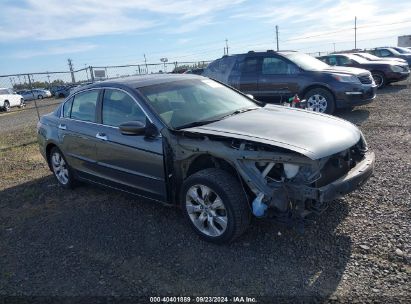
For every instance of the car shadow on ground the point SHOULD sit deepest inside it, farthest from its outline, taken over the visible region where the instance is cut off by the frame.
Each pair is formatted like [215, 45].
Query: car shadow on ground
[392, 88]
[355, 116]
[95, 241]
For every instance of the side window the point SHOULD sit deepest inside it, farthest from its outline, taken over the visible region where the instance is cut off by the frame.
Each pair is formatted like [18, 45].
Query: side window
[84, 106]
[67, 107]
[275, 65]
[250, 66]
[332, 60]
[2, 92]
[344, 60]
[119, 107]
[385, 53]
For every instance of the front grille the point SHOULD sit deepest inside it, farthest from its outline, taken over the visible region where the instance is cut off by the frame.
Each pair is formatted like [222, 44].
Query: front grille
[365, 79]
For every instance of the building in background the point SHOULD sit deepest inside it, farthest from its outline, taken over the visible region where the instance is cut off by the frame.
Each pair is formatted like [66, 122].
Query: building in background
[404, 41]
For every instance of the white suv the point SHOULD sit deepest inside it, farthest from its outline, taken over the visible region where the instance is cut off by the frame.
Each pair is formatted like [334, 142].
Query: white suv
[9, 99]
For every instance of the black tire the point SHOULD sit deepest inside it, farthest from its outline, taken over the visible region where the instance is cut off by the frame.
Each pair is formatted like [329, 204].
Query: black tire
[40, 97]
[229, 189]
[6, 106]
[70, 176]
[326, 95]
[22, 103]
[379, 79]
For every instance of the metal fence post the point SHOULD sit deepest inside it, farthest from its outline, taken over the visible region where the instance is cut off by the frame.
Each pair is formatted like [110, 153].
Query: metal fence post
[35, 99]
[91, 74]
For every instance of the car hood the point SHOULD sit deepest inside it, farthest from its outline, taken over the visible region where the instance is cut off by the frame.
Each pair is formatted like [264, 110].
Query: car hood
[312, 134]
[346, 70]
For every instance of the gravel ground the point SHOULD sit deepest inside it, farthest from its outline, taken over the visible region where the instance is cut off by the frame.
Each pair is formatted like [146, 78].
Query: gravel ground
[97, 242]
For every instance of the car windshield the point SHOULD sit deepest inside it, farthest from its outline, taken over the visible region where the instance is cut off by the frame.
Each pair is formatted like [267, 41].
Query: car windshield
[191, 102]
[306, 62]
[403, 50]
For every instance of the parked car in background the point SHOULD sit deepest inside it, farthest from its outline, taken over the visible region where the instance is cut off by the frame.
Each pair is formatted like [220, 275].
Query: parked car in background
[35, 94]
[64, 91]
[189, 141]
[402, 50]
[9, 99]
[372, 57]
[383, 72]
[275, 76]
[387, 52]
[197, 71]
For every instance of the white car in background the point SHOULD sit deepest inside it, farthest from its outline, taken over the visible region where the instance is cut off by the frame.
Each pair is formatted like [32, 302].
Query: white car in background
[8, 99]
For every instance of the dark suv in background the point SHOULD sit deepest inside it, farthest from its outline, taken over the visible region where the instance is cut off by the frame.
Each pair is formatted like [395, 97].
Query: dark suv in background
[383, 72]
[275, 76]
[390, 53]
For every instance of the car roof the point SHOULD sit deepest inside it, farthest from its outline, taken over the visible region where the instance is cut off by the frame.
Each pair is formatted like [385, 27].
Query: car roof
[143, 80]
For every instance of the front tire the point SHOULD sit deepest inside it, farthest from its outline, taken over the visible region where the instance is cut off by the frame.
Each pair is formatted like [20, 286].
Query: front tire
[40, 97]
[379, 79]
[215, 206]
[61, 170]
[320, 100]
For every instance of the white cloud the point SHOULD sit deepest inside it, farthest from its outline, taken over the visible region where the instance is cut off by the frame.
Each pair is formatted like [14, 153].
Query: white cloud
[55, 50]
[53, 20]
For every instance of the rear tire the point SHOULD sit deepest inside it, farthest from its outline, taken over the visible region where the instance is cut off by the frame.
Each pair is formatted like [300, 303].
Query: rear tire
[379, 79]
[320, 100]
[215, 206]
[40, 97]
[6, 106]
[22, 103]
[61, 170]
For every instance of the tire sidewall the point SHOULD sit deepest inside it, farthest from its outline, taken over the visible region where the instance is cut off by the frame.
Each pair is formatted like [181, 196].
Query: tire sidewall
[6, 106]
[70, 182]
[229, 232]
[381, 76]
[327, 95]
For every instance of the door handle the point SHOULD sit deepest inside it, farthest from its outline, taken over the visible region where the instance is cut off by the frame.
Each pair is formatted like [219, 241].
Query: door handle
[62, 127]
[101, 136]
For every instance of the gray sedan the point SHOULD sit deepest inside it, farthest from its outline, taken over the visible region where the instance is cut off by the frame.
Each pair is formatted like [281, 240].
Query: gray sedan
[220, 155]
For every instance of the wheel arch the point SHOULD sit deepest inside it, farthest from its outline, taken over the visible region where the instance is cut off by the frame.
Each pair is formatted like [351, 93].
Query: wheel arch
[317, 86]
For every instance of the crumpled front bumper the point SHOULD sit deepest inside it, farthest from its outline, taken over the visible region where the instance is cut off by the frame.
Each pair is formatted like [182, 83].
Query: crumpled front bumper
[356, 177]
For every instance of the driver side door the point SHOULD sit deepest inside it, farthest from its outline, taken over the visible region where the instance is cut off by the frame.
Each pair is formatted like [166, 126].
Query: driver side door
[130, 162]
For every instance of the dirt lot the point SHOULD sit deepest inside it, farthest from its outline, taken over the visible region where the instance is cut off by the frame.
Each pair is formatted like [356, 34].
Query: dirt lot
[96, 242]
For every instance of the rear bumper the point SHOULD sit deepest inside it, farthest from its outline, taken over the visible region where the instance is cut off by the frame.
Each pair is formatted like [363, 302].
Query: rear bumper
[356, 177]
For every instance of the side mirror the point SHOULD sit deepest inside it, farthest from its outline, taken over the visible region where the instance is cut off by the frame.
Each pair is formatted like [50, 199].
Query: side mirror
[133, 128]
[249, 96]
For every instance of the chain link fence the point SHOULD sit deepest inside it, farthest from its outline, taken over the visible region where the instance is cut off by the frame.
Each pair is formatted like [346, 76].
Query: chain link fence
[25, 97]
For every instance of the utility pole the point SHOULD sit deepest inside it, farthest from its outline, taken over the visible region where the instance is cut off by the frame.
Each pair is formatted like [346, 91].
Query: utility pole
[355, 32]
[48, 76]
[145, 62]
[70, 64]
[226, 45]
[276, 36]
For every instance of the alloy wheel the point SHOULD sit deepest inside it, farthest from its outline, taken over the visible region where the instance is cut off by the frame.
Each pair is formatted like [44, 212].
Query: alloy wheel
[318, 103]
[206, 210]
[60, 168]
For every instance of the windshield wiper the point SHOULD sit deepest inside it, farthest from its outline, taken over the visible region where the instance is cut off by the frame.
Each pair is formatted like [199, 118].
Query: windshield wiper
[196, 124]
[236, 112]
[205, 122]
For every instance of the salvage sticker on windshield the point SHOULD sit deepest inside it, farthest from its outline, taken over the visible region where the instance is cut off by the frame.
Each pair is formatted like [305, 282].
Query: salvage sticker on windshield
[212, 84]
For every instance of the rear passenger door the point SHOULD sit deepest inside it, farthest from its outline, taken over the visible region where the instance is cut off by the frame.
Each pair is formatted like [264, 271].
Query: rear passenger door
[278, 79]
[250, 70]
[77, 131]
[134, 163]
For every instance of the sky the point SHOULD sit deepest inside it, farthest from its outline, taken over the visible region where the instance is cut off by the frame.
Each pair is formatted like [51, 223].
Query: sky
[40, 35]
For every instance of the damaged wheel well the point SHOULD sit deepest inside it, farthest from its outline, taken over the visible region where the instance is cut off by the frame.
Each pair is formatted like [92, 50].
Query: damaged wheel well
[206, 161]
